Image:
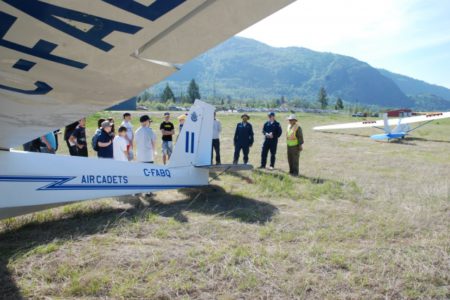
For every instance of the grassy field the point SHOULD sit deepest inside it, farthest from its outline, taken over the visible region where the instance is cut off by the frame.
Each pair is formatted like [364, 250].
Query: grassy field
[366, 220]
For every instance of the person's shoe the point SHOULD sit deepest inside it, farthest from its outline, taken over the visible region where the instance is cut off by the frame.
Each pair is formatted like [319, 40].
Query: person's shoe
[270, 168]
[262, 167]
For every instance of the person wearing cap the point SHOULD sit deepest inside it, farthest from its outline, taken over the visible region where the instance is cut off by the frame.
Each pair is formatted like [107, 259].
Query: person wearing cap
[271, 131]
[78, 138]
[145, 140]
[105, 141]
[294, 141]
[217, 129]
[167, 130]
[243, 139]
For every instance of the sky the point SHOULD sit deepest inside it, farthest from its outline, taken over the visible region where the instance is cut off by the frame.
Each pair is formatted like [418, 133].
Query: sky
[410, 37]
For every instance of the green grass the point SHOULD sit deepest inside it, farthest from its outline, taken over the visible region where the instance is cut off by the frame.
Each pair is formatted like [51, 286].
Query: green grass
[364, 220]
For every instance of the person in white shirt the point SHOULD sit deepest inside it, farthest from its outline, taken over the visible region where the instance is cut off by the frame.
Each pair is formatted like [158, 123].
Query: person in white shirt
[217, 129]
[129, 136]
[145, 141]
[120, 145]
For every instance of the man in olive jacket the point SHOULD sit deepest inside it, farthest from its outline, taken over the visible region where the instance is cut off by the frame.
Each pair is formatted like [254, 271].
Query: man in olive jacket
[294, 141]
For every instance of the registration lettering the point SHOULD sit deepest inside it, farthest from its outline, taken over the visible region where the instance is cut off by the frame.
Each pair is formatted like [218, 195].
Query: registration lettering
[157, 173]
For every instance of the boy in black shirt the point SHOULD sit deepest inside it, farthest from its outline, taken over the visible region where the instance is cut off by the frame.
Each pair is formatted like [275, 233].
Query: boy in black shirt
[167, 131]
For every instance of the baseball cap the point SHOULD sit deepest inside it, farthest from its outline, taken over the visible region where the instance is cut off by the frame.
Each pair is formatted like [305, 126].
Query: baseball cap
[106, 124]
[144, 118]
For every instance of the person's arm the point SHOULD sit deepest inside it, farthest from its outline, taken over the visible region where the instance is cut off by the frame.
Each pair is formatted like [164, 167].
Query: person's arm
[102, 143]
[252, 138]
[280, 130]
[74, 139]
[46, 142]
[153, 141]
[299, 135]
[124, 149]
[235, 135]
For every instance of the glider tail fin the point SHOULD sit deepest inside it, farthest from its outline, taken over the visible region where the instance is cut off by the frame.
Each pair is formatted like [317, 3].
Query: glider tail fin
[387, 128]
[194, 143]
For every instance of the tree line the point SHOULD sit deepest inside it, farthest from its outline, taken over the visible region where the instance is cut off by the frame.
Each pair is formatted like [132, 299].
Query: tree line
[193, 92]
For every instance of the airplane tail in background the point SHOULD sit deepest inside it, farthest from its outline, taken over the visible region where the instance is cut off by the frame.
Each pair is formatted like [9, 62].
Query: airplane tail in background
[194, 144]
[387, 128]
[401, 128]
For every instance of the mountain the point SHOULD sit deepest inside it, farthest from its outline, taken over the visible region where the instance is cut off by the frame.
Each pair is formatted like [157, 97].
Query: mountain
[421, 92]
[242, 68]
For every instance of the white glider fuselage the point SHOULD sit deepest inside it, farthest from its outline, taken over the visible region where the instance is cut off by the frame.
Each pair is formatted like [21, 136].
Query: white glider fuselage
[35, 179]
[29, 181]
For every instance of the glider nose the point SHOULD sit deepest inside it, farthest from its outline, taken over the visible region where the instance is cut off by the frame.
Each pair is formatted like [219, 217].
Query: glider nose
[379, 137]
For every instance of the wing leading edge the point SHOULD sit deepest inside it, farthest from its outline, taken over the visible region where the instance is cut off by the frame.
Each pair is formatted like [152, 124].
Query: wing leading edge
[390, 122]
[60, 62]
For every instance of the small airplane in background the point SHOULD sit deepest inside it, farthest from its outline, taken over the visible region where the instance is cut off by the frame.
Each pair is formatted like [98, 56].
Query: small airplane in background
[399, 132]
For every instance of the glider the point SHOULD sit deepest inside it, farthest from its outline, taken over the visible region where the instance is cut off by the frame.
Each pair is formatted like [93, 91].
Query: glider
[63, 60]
[399, 132]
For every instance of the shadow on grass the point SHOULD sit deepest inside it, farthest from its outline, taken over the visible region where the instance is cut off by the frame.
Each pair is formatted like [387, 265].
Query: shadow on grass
[214, 200]
[280, 175]
[412, 138]
[211, 200]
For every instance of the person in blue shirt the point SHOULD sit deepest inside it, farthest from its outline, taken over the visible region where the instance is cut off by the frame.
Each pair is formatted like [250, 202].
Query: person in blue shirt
[48, 143]
[105, 142]
[243, 139]
[271, 131]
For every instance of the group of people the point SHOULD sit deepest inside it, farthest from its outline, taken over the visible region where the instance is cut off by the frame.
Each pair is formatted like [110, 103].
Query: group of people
[120, 146]
[244, 138]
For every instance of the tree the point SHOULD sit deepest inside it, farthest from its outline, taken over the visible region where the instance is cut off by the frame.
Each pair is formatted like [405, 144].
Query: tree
[323, 98]
[339, 104]
[167, 94]
[193, 91]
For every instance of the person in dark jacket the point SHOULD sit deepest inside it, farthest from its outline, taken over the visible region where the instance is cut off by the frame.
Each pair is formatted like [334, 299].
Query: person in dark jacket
[67, 133]
[105, 141]
[243, 139]
[271, 131]
[78, 138]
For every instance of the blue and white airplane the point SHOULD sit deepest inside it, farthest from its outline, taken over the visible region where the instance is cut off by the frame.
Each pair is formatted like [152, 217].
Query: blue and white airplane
[401, 130]
[63, 60]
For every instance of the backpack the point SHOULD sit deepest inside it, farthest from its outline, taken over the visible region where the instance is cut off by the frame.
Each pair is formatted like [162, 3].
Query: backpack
[95, 139]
